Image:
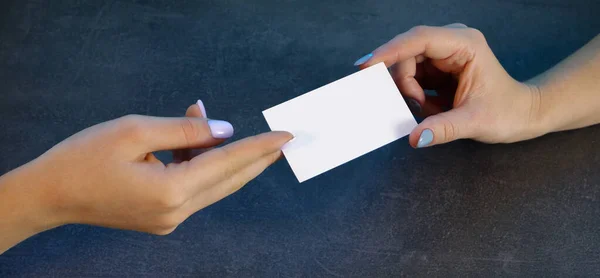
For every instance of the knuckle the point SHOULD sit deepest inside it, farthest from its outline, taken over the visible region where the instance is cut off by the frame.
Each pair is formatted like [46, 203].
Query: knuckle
[190, 130]
[169, 199]
[166, 224]
[170, 221]
[131, 126]
[451, 130]
[420, 30]
[475, 34]
[461, 57]
[163, 232]
[459, 24]
[130, 119]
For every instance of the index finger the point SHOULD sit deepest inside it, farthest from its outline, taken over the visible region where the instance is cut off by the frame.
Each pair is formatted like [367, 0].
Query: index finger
[221, 163]
[436, 43]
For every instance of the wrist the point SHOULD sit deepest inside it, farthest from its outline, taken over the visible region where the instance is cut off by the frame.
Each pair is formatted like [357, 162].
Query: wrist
[540, 122]
[25, 209]
[39, 186]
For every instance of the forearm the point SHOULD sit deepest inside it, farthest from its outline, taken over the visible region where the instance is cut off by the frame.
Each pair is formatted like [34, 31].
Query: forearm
[22, 209]
[570, 92]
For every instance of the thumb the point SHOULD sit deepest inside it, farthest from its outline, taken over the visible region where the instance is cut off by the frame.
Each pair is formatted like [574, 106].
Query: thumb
[443, 128]
[158, 133]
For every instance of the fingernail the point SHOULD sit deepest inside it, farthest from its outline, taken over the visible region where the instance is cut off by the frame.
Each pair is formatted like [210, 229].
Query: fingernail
[414, 105]
[426, 138]
[363, 60]
[220, 129]
[202, 109]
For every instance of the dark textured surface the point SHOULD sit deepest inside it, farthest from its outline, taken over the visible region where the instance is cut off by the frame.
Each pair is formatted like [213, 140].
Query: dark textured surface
[464, 209]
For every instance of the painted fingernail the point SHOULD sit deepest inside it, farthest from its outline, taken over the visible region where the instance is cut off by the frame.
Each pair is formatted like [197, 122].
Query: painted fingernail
[414, 105]
[426, 138]
[363, 60]
[220, 129]
[202, 109]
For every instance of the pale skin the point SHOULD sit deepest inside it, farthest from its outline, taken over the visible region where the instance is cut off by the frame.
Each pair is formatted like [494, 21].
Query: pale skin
[106, 175]
[486, 103]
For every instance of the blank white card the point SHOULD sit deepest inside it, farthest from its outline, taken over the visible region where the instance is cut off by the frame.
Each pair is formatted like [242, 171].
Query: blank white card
[341, 121]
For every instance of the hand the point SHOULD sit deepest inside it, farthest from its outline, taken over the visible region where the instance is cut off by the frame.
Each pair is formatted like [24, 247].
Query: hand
[476, 98]
[107, 175]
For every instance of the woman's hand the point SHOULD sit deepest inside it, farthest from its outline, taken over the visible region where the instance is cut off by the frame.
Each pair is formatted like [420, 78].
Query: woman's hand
[476, 98]
[107, 175]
